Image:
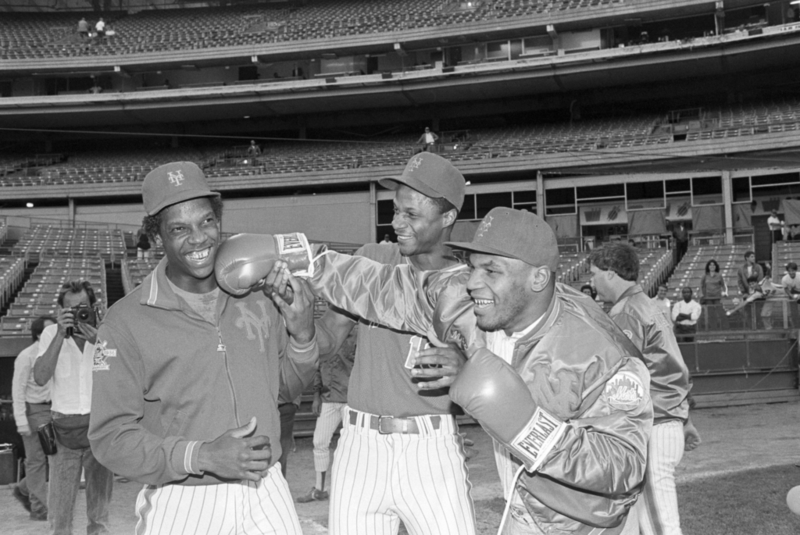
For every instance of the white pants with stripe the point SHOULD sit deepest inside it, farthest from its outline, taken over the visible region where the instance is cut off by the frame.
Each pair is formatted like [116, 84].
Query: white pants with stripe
[380, 479]
[658, 505]
[330, 416]
[227, 508]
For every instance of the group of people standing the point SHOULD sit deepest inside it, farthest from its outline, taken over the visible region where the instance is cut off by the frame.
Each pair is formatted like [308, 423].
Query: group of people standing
[189, 370]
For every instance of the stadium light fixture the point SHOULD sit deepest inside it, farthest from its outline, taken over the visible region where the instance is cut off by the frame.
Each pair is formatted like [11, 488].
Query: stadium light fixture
[29, 205]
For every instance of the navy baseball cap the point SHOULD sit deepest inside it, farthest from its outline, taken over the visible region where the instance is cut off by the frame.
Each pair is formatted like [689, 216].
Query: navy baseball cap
[431, 175]
[173, 183]
[514, 234]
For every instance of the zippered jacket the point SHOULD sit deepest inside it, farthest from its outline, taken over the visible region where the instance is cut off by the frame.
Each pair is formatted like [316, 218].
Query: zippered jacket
[166, 380]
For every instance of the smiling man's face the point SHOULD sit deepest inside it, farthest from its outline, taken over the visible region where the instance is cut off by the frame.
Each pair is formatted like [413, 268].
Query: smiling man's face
[190, 233]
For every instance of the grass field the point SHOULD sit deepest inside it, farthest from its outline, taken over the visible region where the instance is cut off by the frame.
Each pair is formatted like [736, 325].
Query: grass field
[752, 502]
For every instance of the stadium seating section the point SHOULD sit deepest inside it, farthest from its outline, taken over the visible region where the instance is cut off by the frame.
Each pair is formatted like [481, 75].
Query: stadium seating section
[54, 35]
[44, 241]
[281, 157]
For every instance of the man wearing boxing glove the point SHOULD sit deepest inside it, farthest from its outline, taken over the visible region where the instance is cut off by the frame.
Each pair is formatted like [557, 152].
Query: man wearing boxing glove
[187, 377]
[558, 386]
[396, 444]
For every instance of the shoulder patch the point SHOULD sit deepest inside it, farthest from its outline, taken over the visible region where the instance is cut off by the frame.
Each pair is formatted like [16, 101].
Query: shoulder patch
[628, 333]
[624, 391]
[101, 354]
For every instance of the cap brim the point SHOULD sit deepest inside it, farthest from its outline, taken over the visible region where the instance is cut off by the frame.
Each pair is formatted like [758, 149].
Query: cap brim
[393, 182]
[474, 248]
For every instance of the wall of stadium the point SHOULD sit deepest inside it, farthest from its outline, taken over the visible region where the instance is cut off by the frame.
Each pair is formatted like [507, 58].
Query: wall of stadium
[339, 217]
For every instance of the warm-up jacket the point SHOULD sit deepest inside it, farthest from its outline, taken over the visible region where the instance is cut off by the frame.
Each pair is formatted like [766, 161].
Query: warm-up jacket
[578, 366]
[643, 322]
[166, 380]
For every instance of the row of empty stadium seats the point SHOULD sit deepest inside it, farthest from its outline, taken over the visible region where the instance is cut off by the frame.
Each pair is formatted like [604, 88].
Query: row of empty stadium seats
[47, 240]
[111, 166]
[12, 271]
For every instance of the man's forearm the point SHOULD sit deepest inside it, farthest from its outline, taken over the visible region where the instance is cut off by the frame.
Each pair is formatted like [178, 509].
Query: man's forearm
[45, 365]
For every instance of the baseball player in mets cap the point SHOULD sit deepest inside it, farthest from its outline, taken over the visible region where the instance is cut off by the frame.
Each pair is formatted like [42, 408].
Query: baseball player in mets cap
[561, 390]
[186, 377]
[400, 456]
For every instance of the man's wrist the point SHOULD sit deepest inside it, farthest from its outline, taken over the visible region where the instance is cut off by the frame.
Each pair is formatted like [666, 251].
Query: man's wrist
[303, 341]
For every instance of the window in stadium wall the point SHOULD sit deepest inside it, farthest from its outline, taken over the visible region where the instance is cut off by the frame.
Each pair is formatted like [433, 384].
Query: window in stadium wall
[644, 195]
[706, 190]
[560, 201]
[740, 189]
[525, 200]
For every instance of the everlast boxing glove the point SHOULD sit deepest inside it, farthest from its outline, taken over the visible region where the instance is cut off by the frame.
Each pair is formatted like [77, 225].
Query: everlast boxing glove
[494, 394]
[245, 259]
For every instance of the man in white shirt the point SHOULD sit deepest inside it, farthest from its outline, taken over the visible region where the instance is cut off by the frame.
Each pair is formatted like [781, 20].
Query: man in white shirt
[427, 140]
[66, 355]
[774, 223]
[791, 285]
[661, 300]
[31, 410]
[685, 315]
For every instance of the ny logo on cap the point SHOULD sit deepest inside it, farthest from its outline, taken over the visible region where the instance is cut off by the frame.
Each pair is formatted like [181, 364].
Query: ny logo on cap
[414, 164]
[484, 226]
[176, 178]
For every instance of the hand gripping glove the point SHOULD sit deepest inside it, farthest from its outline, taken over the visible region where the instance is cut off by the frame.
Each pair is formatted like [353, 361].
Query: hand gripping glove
[494, 394]
[245, 259]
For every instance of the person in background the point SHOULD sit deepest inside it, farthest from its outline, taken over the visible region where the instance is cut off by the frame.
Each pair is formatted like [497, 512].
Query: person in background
[31, 404]
[685, 314]
[588, 290]
[83, 28]
[748, 272]
[427, 140]
[662, 301]
[681, 235]
[100, 28]
[712, 289]
[66, 355]
[330, 397]
[143, 246]
[774, 223]
[791, 287]
[253, 152]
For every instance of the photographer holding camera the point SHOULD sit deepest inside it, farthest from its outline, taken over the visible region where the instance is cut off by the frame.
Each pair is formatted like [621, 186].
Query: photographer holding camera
[66, 354]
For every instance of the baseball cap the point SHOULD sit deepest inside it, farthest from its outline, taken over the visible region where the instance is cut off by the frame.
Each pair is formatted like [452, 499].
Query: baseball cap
[514, 234]
[173, 183]
[431, 175]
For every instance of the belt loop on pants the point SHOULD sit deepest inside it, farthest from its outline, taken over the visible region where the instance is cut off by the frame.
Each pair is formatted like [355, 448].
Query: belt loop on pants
[385, 425]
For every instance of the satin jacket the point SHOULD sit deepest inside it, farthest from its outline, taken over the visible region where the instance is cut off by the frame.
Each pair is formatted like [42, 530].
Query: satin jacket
[578, 365]
[642, 321]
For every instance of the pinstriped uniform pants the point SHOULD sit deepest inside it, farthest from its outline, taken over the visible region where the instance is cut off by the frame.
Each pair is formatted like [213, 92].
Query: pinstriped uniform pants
[330, 416]
[658, 505]
[380, 479]
[243, 508]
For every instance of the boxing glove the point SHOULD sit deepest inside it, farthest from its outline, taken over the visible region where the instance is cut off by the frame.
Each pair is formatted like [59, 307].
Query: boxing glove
[494, 394]
[244, 260]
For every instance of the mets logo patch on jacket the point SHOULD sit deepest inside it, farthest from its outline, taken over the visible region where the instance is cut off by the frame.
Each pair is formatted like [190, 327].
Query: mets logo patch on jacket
[624, 391]
[101, 354]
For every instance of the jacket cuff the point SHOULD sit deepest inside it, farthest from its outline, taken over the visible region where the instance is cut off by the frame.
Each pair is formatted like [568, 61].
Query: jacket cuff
[537, 439]
[302, 348]
[185, 457]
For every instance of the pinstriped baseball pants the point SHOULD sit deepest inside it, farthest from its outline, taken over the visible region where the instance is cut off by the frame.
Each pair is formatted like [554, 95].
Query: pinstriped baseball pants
[228, 508]
[380, 479]
[330, 416]
[658, 506]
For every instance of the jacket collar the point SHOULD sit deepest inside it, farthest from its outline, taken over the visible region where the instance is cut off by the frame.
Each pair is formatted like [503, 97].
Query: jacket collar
[630, 292]
[157, 292]
[551, 315]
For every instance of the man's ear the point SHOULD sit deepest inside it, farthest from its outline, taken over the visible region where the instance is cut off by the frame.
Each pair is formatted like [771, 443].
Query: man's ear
[449, 217]
[539, 278]
[158, 240]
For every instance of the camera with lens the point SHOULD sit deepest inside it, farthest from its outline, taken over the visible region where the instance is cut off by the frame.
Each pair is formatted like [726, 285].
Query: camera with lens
[82, 314]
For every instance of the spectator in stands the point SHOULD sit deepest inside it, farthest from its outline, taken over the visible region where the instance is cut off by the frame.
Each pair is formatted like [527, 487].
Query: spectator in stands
[748, 272]
[100, 28]
[253, 152]
[83, 28]
[774, 223]
[681, 235]
[712, 289]
[791, 286]
[143, 245]
[66, 355]
[428, 140]
[386, 239]
[663, 302]
[330, 397]
[31, 404]
[685, 314]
